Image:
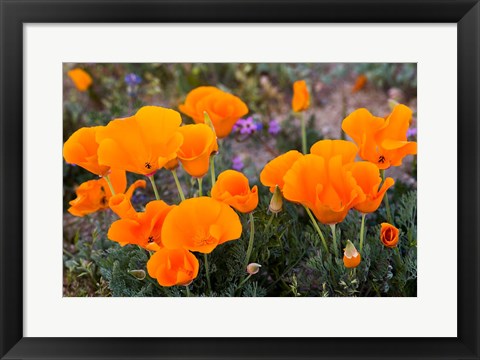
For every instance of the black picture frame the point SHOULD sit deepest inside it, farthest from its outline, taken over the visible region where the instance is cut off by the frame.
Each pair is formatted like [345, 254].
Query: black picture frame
[15, 13]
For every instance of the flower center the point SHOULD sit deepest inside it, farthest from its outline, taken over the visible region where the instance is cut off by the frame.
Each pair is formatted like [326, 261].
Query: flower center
[202, 239]
[381, 159]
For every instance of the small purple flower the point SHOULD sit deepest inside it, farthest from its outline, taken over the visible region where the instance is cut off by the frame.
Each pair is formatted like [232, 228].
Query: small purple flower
[132, 79]
[245, 126]
[237, 163]
[258, 126]
[411, 132]
[274, 127]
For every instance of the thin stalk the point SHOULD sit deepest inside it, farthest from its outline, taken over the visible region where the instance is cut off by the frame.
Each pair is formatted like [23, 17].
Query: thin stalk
[188, 291]
[334, 235]
[304, 133]
[207, 273]
[107, 179]
[386, 201]
[244, 281]
[152, 181]
[250, 241]
[319, 231]
[269, 222]
[179, 187]
[362, 230]
[200, 190]
[212, 169]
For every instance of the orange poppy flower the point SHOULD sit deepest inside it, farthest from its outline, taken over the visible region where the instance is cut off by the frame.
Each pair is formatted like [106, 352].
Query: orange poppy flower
[81, 149]
[351, 257]
[381, 141]
[368, 178]
[93, 195]
[330, 148]
[210, 223]
[232, 188]
[199, 142]
[173, 267]
[223, 108]
[301, 96]
[80, 78]
[145, 230]
[389, 235]
[143, 143]
[324, 187]
[360, 83]
[121, 203]
[274, 171]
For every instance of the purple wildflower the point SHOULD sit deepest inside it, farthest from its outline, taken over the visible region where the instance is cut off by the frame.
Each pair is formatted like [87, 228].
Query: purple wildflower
[245, 126]
[132, 79]
[274, 127]
[411, 132]
[237, 163]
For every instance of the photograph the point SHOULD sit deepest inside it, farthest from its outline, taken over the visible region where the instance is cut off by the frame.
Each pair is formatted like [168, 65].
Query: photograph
[239, 179]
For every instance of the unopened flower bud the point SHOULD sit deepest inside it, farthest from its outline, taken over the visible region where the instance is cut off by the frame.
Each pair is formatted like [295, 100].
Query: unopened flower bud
[253, 268]
[208, 121]
[351, 257]
[138, 274]
[276, 203]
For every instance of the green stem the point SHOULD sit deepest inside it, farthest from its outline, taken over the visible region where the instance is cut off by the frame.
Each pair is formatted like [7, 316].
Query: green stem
[334, 235]
[250, 241]
[207, 273]
[269, 222]
[107, 179]
[179, 187]
[319, 231]
[387, 203]
[304, 134]
[200, 190]
[244, 281]
[152, 181]
[212, 169]
[362, 230]
[188, 291]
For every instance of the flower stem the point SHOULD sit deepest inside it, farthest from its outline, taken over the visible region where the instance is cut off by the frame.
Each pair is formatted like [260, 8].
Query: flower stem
[212, 169]
[188, 291]
[200, 190]
[387, 203]
[304, 133]
[250, 241]
[362, 230]
[152, 181]
[269, 222]
[207, 273]
[107, 179]
[319, 231]
[334, 235]
[179, 187]
[244, 281]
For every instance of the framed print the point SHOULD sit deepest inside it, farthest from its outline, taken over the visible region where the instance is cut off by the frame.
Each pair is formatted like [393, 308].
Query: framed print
[239, 179]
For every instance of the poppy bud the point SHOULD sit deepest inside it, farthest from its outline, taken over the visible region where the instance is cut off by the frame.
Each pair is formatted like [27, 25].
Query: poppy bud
[138, 274]
[389, 235]
[276, 203]
[253, 268]
[351, 257]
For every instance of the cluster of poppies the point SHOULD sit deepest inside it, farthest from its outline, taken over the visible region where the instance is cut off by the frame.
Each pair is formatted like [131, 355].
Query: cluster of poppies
[146, 142]
[327, 181]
